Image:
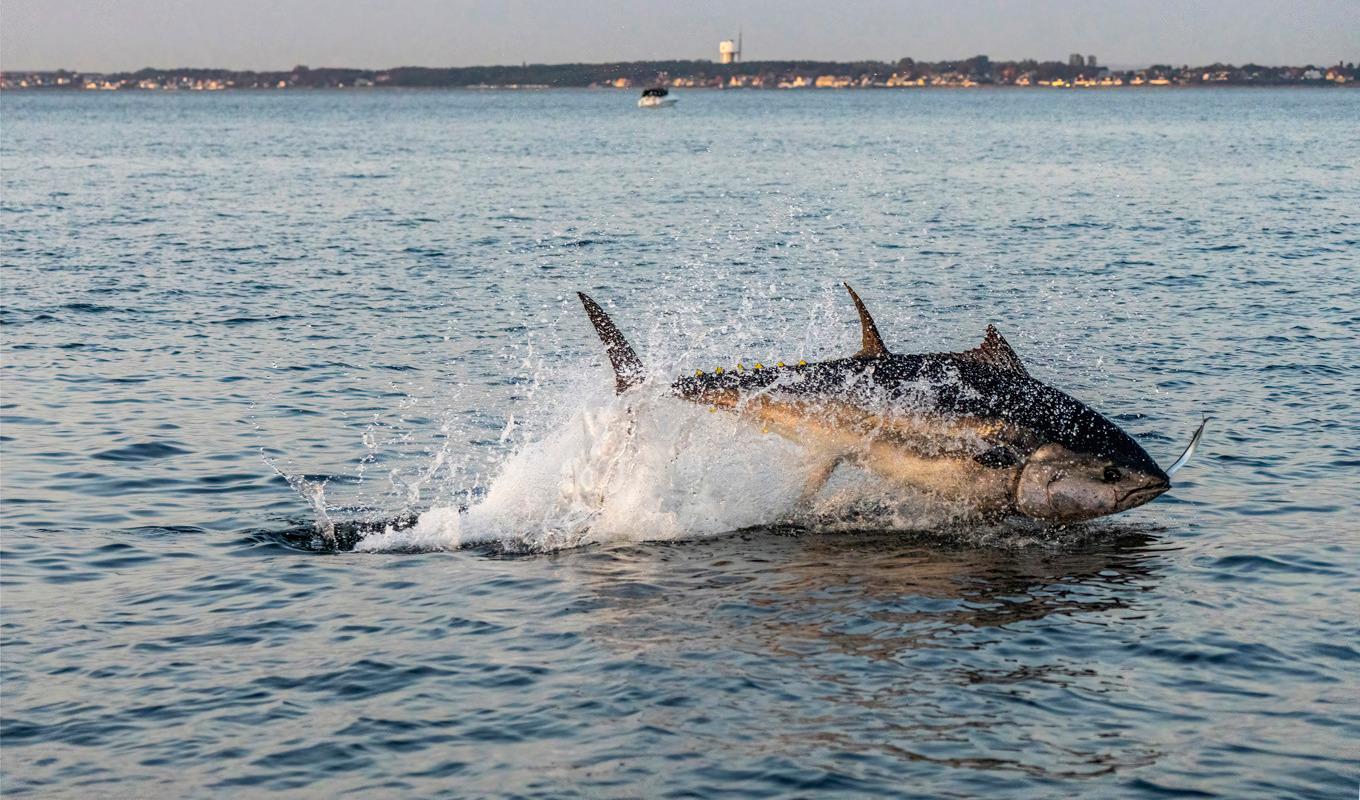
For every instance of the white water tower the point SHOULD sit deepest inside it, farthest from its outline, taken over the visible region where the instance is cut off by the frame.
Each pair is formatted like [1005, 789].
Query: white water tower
[729, 52]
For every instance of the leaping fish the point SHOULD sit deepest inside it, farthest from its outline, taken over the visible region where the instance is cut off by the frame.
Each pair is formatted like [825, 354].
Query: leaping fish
[972, 427]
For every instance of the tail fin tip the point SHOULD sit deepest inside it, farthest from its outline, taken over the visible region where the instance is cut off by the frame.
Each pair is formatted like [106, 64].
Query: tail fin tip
[628, 369]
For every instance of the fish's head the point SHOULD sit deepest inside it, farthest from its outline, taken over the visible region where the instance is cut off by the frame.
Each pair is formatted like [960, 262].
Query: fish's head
[1060, 485]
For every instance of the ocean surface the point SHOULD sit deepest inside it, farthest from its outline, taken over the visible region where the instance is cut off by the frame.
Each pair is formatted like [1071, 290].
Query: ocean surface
[236, 324]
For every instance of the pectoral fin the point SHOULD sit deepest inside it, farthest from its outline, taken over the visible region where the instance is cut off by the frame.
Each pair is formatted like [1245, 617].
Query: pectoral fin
[997, 458]
[819, 473]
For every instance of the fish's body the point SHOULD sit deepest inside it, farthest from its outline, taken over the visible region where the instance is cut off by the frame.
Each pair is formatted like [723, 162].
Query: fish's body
[971, 427]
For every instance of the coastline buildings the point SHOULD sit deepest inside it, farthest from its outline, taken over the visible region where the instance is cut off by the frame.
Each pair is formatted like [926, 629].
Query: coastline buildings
[730, 72]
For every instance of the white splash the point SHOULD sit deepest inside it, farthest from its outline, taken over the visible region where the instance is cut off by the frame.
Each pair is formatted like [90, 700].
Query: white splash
[648, 467]
[633, 469]
[314, 492]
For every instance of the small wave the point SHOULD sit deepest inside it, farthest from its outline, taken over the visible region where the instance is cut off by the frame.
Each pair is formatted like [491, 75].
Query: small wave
[234, 321]
[88, 308]
[142, 451]
[1255, 563]
[304, 537]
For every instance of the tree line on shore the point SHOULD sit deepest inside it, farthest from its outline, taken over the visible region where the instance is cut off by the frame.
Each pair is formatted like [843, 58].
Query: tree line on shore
[979, 70]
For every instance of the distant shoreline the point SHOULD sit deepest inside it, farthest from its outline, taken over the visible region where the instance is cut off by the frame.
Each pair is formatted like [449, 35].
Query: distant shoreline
[705, 89]
[1079, 72]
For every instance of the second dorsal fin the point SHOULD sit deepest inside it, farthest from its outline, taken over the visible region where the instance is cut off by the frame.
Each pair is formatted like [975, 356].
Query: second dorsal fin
[871, 344]
[995, 352]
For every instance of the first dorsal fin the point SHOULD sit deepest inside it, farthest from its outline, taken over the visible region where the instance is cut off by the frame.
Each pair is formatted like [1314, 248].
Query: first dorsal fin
[628, 370]
[995, 352]
[871, 344]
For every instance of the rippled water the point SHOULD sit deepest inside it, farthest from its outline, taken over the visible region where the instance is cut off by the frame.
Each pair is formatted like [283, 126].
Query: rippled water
[371, 295]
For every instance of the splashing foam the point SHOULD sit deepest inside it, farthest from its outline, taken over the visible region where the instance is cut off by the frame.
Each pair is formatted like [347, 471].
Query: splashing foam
[646, 468]
[314, 492]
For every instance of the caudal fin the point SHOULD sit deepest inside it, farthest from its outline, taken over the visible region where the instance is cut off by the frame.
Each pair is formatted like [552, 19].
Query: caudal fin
[628, 371]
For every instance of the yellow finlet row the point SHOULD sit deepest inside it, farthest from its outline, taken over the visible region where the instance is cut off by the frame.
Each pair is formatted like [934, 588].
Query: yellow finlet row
[698, 373]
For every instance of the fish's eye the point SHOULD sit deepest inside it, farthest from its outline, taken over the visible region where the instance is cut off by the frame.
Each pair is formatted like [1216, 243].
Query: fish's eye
[1112, 475]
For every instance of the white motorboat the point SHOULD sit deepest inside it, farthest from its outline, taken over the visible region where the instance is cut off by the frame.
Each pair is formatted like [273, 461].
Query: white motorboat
[656, 97]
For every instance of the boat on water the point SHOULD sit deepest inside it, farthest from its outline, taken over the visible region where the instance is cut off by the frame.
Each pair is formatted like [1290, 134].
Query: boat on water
[656, 97]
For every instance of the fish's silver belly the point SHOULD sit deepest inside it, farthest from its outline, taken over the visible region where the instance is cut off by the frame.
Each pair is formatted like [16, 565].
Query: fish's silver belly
[957, 478]
[928, 454]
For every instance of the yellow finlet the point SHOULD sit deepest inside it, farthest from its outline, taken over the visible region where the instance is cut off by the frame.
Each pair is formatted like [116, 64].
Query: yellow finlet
[759, 365]
[718, 371]
[698, 372]
[802, 363]
[780, 364]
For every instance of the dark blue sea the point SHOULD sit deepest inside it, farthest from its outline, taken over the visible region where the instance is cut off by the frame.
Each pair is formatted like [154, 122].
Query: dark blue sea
[237, 325]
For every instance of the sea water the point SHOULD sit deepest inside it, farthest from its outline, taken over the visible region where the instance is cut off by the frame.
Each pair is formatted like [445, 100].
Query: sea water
[314, 482]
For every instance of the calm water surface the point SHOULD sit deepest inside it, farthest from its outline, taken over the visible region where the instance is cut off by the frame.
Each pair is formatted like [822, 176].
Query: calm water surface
[225, 316]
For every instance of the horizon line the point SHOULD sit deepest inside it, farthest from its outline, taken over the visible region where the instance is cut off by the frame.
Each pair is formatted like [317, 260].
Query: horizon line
[525, 64]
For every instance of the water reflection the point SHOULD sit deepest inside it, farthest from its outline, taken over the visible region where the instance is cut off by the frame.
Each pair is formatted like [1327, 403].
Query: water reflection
[904, 647]
[892, 577]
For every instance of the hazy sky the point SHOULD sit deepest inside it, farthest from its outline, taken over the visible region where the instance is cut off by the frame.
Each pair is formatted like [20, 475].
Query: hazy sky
[113, 35]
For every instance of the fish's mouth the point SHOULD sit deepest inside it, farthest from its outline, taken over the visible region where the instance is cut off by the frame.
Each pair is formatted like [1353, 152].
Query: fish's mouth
[1143, 494]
